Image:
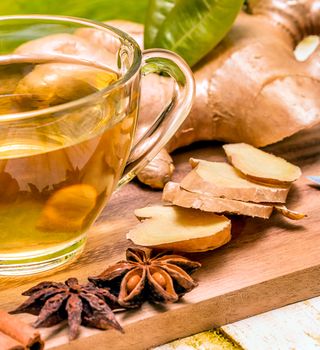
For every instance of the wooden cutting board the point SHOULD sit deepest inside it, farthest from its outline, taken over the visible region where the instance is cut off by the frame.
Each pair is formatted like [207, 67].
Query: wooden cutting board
[268, 263]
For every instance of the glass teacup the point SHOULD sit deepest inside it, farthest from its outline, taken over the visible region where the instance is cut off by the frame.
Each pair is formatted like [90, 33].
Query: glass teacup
[68, 115]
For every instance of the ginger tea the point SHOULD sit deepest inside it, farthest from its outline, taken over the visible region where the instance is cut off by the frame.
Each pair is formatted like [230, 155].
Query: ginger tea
[57, 170]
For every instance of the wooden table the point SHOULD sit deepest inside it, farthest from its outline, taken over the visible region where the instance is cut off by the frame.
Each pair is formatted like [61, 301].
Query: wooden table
[268, 263]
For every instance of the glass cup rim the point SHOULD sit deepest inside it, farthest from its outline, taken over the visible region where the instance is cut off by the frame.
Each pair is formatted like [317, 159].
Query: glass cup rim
[133, 69]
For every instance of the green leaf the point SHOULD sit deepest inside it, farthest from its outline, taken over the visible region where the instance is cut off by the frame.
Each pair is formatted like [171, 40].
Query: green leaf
[94, 9]
[191, 28]
[161, 65]
[157, 13]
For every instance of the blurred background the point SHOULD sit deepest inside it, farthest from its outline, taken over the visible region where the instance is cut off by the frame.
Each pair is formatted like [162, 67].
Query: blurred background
[94, 9]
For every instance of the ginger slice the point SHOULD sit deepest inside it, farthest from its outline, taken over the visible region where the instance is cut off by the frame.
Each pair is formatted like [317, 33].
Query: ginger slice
[261, 166]
[176, 195]
[220, 179]
[174, 228]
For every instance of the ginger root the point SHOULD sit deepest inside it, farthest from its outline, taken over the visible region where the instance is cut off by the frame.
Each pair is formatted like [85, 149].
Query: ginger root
[67, 44]
[261, 166]
[251, 88]
[50, 84]
[56, 83]
[174, 228]
[150, 174]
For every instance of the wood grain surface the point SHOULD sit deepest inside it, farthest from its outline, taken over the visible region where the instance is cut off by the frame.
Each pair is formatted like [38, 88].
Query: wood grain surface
[267, 264]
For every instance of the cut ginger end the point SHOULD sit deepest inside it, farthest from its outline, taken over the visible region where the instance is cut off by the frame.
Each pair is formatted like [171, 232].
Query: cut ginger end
[174, 228]
[261, 166]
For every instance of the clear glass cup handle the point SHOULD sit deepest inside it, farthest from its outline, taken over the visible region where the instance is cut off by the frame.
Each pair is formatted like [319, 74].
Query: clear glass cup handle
[167, 123]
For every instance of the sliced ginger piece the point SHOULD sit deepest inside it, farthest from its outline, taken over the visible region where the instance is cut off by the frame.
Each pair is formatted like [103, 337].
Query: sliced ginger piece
[220, 179]
[176, 195]
[174, 228]
[261, 166]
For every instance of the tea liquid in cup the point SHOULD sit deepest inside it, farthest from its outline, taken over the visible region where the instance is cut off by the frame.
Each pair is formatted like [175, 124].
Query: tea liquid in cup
[67, 126]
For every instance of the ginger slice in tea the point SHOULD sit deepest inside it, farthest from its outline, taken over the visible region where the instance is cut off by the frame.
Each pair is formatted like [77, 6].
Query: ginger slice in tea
[67, 208]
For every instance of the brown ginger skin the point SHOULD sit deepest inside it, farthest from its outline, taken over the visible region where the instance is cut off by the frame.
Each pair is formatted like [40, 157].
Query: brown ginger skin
[151, 176]
[251, 88]
[174, 194]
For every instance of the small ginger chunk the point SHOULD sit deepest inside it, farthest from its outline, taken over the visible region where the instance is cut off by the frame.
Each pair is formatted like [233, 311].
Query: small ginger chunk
[157, 173]
[261, 166]
[290, 214]
[174, 228]
[219, 179]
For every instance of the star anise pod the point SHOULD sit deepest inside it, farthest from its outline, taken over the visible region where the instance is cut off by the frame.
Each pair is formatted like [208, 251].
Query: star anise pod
[80, 304]
[162, 278]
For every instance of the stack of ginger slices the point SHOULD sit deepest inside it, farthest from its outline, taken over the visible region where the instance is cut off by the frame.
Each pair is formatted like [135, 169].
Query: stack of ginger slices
[255, 184]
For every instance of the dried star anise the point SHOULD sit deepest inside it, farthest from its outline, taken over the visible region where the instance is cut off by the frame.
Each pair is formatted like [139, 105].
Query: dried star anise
[162, 278]
[80, 304]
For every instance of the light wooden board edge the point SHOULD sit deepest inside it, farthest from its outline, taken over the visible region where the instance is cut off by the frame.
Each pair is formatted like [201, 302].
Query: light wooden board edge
[294, 326]
[215, 339]
[208, 314]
